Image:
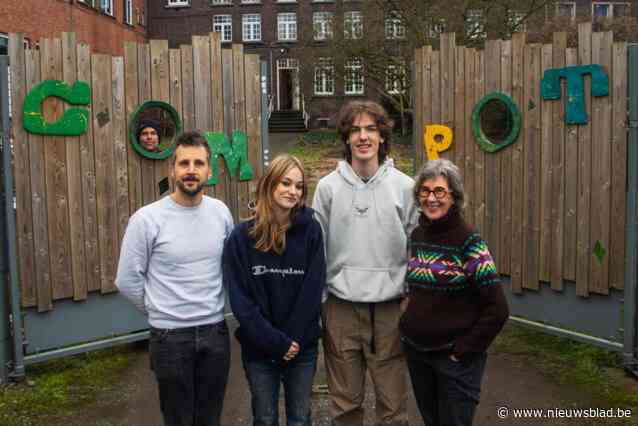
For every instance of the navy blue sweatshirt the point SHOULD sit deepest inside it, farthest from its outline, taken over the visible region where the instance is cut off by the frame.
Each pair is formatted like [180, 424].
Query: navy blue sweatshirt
[276, 298]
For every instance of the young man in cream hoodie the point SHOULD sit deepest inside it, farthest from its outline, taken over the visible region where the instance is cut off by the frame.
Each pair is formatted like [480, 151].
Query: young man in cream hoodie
[366, 211]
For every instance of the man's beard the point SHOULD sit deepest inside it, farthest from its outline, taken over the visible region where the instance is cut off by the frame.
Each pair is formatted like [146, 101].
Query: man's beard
[189, 192]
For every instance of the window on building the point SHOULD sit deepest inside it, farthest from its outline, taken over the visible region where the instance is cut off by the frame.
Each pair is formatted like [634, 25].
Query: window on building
[174, 3]
[141, 16]
[223, 24]
[322, 25]
[324, 77]
[286, 1]
[4, 44]
[106, 6]
[287, 27]
[88, 2]
[609, 10]
[251, 27]
[220, 2]
[353, 77]
[566, 9]
[396, 77]
[474, 25]
[394, 26]
[128, 12]
[250, 1]
[436, 28]
[352, 25]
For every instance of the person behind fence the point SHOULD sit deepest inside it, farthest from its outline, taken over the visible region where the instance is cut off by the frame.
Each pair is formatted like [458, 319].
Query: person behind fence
[456, 305]
[170, 268]
[365, 209]
[274, 268]
[148, 135]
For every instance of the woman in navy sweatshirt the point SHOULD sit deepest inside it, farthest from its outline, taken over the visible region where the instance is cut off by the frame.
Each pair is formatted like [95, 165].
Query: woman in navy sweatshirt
[275, 270]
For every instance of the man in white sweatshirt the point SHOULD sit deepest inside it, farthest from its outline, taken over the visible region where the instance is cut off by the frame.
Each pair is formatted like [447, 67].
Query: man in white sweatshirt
[365, 209]
[170, 268]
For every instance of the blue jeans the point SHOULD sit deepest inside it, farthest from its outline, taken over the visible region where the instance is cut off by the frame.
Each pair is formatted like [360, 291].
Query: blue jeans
[446, 392]
[191, 367]
[264, 378]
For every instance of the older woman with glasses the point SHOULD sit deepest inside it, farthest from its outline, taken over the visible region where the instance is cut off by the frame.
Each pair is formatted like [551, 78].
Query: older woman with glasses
[455, 304]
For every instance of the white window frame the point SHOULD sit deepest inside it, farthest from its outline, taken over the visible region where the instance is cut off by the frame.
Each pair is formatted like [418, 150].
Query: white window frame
[225, 27]
[322, 25]
[178, 3]
[250, 1]
[352, 25]
[106, 6]
[251, 27]
[90, 3]
[396, 77]
[287, 26]
[220, 2]
[353, 81]
[394, 26]
[475, 25]
[612, 6]
[572, 4]
[286, 1]
[324, 79]
[128, 12]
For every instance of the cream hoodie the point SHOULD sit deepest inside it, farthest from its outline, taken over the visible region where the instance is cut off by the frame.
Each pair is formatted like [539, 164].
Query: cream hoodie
[366, 228]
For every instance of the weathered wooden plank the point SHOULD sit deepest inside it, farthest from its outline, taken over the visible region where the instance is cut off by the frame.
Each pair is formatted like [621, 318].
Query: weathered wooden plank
[160, 91]
[558, 170]
[24, 224]
[101, 84]
[222, 189]
[89, 197]
[460, 141]
[419, 122]
[505, 211]
[602, 46]
[175, 77]
[119, 146]
[583, 260]
[571, 187]
[56, 180]
[435, 70]
[531, 211]
[188, 95]
[202, 80]
[43, 289]
[253, 125]
[150, 190]
[492, 161]
[131, 96]
[229, 124]
[74, 178]
[618, 167]
[545, 248]
[479, 154]
[468, 170]
[448, 57]
[426, 91]
[518, 165]
[239, 104]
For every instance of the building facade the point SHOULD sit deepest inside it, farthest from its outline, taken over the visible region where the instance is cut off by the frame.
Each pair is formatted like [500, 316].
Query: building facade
[293, 37]
[103, 24]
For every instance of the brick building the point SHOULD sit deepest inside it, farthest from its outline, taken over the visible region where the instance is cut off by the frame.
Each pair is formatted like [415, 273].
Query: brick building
[103, 24]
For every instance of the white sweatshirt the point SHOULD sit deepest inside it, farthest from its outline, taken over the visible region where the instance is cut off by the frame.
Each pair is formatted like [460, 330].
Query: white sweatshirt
[366, 227]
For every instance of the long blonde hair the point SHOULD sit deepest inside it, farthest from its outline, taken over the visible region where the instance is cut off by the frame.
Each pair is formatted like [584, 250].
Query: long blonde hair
[268, 234]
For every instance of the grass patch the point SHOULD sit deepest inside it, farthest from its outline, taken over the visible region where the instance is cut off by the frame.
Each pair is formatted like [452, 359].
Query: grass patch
[62, 387]
[322, 135]
[596, 371]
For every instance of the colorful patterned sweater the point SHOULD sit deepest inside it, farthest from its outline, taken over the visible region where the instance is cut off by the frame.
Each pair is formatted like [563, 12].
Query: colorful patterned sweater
[456, 299]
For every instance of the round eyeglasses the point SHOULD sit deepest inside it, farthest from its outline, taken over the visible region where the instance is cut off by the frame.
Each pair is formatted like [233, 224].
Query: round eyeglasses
[439, 192]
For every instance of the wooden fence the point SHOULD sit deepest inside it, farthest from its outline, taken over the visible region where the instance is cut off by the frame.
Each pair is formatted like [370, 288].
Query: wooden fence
[556, 196]
[74, 195]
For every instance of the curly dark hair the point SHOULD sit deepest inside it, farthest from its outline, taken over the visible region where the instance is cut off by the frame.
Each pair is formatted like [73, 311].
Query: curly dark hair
[192, 138]
[350, 111]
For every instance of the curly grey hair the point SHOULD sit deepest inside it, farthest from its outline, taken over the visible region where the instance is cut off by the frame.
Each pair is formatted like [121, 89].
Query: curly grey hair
[441, 167]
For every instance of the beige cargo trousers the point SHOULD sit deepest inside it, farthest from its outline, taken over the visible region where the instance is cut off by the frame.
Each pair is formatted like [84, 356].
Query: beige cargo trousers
[360, 337]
